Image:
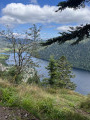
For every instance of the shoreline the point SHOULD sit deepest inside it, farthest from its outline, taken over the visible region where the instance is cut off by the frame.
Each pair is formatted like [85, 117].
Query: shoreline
[72, 67]
[7, 53]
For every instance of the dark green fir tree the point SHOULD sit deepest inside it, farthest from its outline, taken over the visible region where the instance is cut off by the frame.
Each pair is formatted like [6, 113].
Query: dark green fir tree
[52, 68]
[64, 74]
[60, 72]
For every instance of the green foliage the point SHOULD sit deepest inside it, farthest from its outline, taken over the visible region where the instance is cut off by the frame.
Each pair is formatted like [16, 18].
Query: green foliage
[35, 79]
[29, 104]
[3, 58]
[43, 104]
[60, 74]
[9, 97]
[4, 45]
[77, 55]
[77, 33]
[86, 104]
[52, 67]
[1, 73]
[44, 109]
[12, 75]
[75, 4]
[35, 31]
[46, 106]
[64, 74]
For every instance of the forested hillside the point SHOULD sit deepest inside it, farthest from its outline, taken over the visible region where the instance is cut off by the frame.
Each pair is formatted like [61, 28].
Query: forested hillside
[4, 45]
[78, 55]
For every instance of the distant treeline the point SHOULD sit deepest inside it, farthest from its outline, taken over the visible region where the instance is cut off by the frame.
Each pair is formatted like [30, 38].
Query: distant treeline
[78, 55]
[3, 42]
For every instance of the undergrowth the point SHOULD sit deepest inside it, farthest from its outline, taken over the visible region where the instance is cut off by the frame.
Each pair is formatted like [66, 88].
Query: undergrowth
[45, 104]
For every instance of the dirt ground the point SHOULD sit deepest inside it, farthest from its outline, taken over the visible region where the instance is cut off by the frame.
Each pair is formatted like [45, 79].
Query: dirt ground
[9, 113]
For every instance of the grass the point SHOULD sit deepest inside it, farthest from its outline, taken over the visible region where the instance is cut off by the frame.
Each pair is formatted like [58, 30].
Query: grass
[45, 104]
[5, 50]
[2, 56]
[86, 104]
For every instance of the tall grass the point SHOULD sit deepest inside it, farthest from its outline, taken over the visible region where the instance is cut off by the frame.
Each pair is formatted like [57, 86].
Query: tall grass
[45, 104]
[86, 104]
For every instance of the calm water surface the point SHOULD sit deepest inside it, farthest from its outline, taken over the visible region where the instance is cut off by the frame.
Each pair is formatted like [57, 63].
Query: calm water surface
[82, 79]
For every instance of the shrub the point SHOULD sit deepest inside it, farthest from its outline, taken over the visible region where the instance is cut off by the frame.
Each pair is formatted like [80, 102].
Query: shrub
[12, 75]
[86, 104]
[8, 97]
[35, 79]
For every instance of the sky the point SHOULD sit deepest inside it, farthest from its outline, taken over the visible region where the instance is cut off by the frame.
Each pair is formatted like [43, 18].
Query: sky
[20, 15]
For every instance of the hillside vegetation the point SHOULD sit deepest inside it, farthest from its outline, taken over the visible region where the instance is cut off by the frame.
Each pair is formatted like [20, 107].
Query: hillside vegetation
[4, 45]
[45, 104]
[3, 59]
[78, 55]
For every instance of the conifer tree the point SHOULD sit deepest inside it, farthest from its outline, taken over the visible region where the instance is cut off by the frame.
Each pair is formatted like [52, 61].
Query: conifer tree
[52, 67]
[60, 73]
[79, 32]
[64, 74]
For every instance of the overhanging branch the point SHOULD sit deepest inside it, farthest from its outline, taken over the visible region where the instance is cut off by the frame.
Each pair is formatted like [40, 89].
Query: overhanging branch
[77, 33]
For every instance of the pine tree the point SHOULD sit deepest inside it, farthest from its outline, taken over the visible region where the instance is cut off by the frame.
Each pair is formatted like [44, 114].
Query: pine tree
[60, 73]
[77, 33]
[52, 67]
[64, 74]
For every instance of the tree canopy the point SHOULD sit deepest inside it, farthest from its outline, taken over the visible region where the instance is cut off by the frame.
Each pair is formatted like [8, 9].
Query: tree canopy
[60, 72]
[79, 32]
[72, 4]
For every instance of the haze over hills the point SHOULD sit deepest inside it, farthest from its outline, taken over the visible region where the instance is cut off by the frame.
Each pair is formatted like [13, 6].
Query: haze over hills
[3, 42]
[78, 55]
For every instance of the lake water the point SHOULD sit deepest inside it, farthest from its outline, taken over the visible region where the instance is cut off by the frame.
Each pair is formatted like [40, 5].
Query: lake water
[82, 79]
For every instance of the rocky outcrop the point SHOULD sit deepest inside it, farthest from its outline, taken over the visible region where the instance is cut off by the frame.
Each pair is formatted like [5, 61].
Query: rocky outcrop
[29, 73]
[2, 68]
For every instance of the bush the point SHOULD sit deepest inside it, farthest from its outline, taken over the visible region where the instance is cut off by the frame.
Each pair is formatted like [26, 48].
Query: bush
[46, 105]
[86, 104]
[12, 75]
[1, 73]
[8, 97]
[35, 79]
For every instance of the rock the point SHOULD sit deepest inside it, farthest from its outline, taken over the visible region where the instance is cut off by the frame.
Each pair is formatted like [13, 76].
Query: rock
[29, 73]
[2, 68]
[4, 108]
[6, 117]
[26, 115]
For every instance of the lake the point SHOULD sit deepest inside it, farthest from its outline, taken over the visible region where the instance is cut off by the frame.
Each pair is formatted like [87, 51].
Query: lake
[82, 77]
